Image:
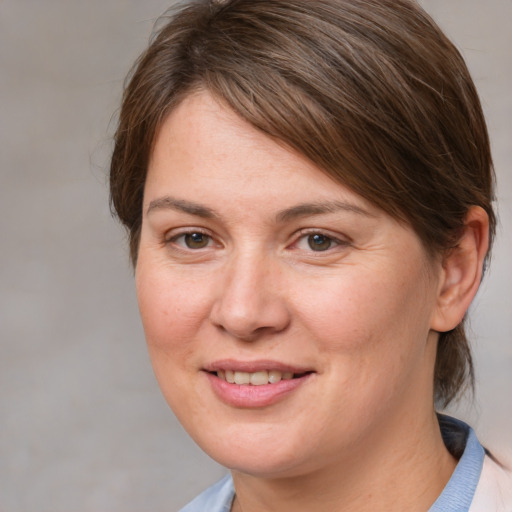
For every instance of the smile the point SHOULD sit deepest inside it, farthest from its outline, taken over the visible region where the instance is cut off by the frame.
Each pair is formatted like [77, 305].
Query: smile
[255, 384]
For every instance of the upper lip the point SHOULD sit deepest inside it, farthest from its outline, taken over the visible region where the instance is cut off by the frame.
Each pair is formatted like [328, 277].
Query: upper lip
[254, 366]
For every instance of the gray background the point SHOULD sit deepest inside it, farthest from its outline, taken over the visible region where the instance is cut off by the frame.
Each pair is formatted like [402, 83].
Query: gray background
[82, 424]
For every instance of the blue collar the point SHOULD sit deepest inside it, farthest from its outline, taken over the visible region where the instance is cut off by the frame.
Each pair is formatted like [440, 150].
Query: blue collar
[460, 489]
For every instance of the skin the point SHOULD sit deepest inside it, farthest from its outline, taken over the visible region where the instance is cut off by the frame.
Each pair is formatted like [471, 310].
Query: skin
[360, 433]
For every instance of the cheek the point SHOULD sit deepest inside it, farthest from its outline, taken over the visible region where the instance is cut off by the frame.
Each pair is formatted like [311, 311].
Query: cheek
[172, 314]
[172, 310]
[372, 329]
[354, 309]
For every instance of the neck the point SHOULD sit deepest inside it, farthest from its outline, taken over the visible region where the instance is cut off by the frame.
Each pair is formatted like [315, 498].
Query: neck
[399, 467]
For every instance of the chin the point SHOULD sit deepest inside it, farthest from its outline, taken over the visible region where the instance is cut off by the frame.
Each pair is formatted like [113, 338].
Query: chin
[257, 449]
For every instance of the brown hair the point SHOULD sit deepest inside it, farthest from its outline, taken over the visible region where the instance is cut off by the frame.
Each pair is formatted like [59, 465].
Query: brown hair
[371, 91]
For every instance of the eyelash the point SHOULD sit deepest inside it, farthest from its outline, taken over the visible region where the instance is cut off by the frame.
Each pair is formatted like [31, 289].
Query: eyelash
[303, 237]
[190, 232]
[332, 240]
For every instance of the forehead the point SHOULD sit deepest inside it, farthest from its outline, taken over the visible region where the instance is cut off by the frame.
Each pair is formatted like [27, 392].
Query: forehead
[204, 147]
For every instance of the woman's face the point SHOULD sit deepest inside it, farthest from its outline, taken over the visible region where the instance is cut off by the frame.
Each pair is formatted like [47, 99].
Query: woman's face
[256, 266]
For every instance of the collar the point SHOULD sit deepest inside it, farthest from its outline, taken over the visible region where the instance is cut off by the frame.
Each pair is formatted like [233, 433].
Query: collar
[458, 493]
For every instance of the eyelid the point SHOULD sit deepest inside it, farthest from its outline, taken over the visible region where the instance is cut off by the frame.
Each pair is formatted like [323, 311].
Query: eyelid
[177, 232]
[337, 239]
[171, 236]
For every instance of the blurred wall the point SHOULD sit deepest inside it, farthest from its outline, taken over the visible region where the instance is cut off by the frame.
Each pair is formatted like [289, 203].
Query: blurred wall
[82, 424]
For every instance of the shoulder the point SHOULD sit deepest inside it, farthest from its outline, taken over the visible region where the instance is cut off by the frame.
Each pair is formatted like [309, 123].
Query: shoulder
[494, 490]
[217, 498]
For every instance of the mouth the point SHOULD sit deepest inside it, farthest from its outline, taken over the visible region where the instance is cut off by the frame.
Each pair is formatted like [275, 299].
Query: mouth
[255, 384]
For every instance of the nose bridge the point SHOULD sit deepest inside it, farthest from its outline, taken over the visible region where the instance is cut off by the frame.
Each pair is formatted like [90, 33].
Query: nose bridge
[249, 302]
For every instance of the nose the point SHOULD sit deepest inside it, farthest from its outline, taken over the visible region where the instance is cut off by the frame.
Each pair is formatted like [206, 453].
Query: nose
[250, 302]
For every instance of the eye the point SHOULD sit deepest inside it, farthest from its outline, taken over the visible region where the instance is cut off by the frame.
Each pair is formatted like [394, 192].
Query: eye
[318, 242]
[192, 240]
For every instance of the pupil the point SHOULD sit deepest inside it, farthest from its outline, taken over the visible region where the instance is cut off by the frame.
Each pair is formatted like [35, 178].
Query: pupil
[319, 242]
[196, 240]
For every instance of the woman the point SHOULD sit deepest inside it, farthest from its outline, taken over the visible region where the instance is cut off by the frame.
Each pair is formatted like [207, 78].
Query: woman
[308, 191]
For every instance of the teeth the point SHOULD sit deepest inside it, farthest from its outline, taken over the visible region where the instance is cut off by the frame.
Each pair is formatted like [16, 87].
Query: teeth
[259, 378]
[242, 378]
[274, 376]
[255, 378]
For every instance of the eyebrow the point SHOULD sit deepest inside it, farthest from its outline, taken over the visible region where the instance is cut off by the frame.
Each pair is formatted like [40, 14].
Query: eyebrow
[300, 210]
[180, 205]
[306, 209]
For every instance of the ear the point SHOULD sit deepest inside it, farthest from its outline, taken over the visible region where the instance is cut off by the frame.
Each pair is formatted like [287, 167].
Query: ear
[462, 269]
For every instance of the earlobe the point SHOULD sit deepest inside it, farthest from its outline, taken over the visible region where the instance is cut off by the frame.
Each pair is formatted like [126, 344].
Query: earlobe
[462, 271]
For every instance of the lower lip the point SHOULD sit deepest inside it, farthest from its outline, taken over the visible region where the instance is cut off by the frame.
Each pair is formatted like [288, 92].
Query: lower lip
[249, 396]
